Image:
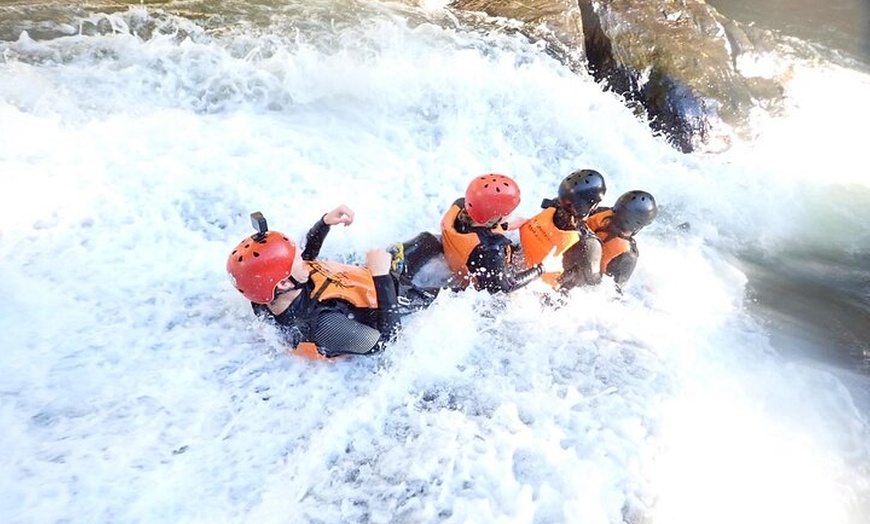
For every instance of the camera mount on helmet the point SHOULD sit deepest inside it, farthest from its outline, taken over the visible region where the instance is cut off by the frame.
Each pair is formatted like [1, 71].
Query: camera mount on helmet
[259, 223]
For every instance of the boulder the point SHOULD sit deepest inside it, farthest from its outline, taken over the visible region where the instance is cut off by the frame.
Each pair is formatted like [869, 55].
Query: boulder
[557, 23]
[677, 61]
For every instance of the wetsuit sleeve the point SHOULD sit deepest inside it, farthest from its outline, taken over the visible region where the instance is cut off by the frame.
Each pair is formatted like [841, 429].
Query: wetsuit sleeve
[622, 266]
[581, 263]
[526, 276]
[488, 265]
[389, 318]
[314, 240]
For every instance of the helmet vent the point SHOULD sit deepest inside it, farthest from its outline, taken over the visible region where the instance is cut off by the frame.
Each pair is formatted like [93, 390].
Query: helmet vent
[240, 258]
[256, 254]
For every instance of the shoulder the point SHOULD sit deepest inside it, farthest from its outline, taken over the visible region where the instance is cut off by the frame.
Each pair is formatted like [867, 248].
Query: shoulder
[490, 239]
[586, 232]
[452, 213]
[586, 244]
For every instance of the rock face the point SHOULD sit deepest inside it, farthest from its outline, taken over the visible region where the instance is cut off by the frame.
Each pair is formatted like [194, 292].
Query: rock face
[676, 60]
[556, 22]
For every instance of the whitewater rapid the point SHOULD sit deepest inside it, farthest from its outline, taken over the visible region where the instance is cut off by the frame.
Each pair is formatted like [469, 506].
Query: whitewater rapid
[138, 387]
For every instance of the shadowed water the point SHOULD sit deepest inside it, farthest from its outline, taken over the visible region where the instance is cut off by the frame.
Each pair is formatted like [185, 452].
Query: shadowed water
[842, 25]
[816, 306]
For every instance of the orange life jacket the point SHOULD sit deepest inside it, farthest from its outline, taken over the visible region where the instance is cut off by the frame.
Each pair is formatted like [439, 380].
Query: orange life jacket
[458, 246]
[538, 236]
[333, 280]
[611, 245]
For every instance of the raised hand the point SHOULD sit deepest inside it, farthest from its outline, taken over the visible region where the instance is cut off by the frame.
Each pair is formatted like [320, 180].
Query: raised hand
[516, 223]
[340, 215]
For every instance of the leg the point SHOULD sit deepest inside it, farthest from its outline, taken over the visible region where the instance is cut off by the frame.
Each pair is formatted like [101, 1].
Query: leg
[412, 298]
[411, 255]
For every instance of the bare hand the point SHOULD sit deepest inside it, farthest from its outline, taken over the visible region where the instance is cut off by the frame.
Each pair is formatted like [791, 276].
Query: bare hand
[516, 224]
[378, 262]
[552, 263]
[340, 215]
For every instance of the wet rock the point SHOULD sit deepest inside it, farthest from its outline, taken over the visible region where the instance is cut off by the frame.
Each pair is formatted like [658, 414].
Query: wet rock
[558, 23]
[676, 61]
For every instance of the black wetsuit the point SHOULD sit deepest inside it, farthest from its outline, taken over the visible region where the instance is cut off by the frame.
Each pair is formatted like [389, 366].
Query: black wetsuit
[489, 261]
[621, 266]
[581, 263]
[338, 327]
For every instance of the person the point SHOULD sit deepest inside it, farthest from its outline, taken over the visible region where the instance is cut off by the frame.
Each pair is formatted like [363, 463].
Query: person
[477, 251]
[559, 229]
[616, 228]
[324, 309]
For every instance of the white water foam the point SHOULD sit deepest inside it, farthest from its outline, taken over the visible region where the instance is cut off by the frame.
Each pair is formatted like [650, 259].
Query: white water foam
[137, 386]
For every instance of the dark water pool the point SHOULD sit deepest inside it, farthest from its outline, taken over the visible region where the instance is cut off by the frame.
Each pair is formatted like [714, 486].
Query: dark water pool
[842, 25]
[816, 308]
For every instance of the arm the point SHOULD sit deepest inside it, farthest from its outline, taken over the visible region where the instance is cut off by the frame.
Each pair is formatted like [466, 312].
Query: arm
[389, 321]
[488, 264]
[552, 263]
[516, 224]
[317, 234]
[525, 277]
[581, 264]
[622, 266]
[314, 240]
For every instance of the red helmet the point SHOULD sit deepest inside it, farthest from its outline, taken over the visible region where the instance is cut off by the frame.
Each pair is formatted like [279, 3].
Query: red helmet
[259, 262]
[491, 196]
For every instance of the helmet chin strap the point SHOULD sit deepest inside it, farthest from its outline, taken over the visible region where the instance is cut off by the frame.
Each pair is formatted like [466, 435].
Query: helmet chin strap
[296, 283]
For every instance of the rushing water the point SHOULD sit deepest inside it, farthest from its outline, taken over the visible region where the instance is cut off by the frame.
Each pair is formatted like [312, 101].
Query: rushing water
[724, 385]
[816, 297]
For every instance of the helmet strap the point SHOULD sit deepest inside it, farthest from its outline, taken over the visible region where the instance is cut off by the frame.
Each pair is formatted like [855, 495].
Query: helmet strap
[296, 283]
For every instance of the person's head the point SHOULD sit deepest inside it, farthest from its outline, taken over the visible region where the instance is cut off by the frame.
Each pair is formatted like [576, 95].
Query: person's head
[264, 264]
[632, 211]
[490, 198]
[581, 191]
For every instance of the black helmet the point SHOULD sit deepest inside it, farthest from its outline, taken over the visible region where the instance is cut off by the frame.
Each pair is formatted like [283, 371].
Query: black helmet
[581, 191]
[634, 210]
